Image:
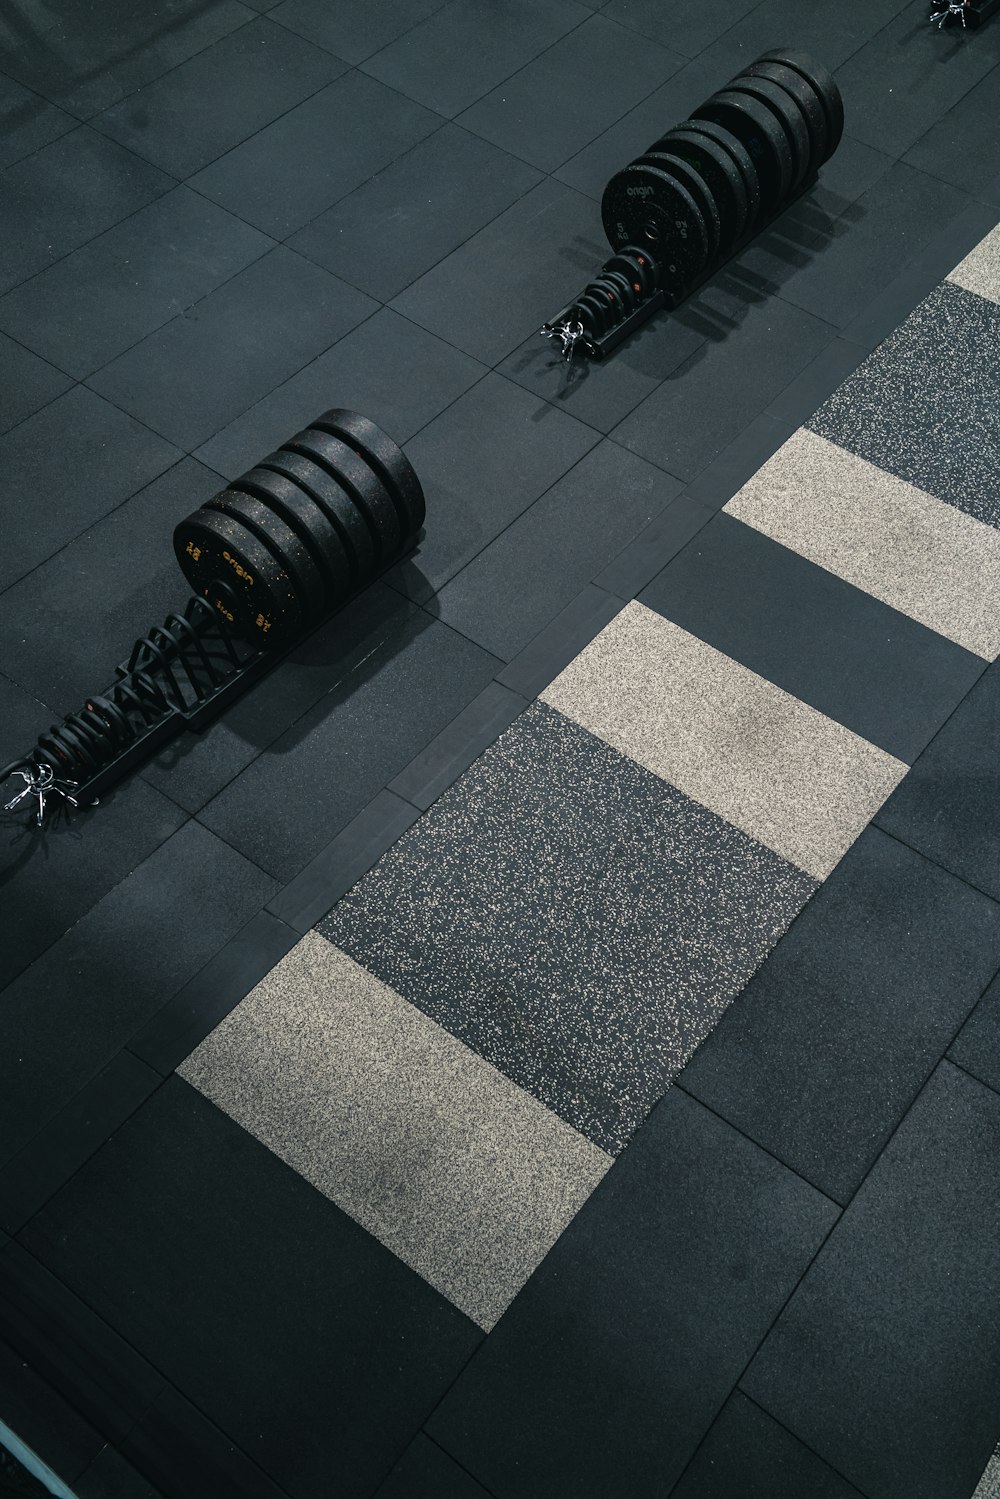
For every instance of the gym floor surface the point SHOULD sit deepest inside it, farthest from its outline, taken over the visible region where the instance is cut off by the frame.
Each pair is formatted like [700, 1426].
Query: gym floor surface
[544, 1039]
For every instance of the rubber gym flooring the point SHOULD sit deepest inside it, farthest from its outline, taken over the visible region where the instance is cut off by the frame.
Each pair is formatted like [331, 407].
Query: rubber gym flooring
[545, 1038]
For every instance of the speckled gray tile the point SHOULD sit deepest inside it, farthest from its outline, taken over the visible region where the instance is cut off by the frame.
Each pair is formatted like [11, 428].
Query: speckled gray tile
[784, 773]
[458, 1171]
[988, 1486]
[880, 533]
[926, 404]
[573, 919]
[980, 270]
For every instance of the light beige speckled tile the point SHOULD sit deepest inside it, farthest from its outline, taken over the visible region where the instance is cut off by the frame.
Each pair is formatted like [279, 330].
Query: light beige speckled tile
[457, 1170]
[989, 1485]
[980, 270]
[925, 558]
[800, 783]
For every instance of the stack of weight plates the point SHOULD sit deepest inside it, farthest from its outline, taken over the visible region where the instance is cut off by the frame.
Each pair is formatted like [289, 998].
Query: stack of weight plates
[714, 179]
[309, 526]
[624, 281]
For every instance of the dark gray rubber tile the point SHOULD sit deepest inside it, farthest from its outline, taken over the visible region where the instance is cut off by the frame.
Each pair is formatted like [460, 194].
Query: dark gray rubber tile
[948, 806]
[281, 177]
[945, 149]
[67, 1015]
[207, 366]
[822, 1054]
[572, 918]
[602, 394]
[111, 1477]
[590, 169]
[908, 76]
[499, 287]
[662, 1287]
[389, 232]
[65, 628]
[635, 566]
[687, 29]
[183, 1209]
[884, 230]
[219, 98]
[887, 1360]
[468, 46]
[85, 457]
[58, 198]
[878, 672]
[398, 375]
[338, 756]
[709, 400]
[86, 59]
[748, 1454]
[121, 286]
[426, 1472]
[830, 33]
[44, 1422]
[900, 409]
[27, 121]
[482, 463]
[27, 383]
[184, 1452]
[521, 581]
[355, 29]
[977, 1045]
[195, 767]
[569, 94]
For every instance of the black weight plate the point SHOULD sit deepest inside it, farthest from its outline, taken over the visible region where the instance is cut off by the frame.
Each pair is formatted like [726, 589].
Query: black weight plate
[610, 294]
[299, 511]
[754, 124]
[808, 100]
[822, 81]
[387, 459]
[336, 506]
[362, 484]
[788, 112]
[623, 286]
[685, 174]
[638, 266]
[238, 575]
[738, 153]
[593, 314]
[721, 175]
[644, 205]
[289, 550]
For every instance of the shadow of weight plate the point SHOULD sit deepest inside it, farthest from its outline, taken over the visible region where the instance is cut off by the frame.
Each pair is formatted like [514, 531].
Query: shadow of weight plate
[808, 100]
[822, 81]
[685, 174]
[283, 494]
[758, 130]
[788, 112]
[644, 207]
[335, 506]
[239, 576]
[387, 459]
[720, 174]
[361, 482]
[289, 550]
[737, 153]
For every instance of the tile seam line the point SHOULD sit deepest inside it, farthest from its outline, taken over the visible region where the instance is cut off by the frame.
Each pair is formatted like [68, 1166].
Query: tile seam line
[729, 1123]
[148, 165]
[774, 1322]
[451, 1458]
[702, 50]
[272, 16]
[119, 1123]
[911, 848]
[862, 1493]
[117, 58]
[30, 89]
[30, 1353]
[960, 1067]
[620, 26]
